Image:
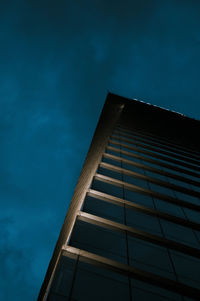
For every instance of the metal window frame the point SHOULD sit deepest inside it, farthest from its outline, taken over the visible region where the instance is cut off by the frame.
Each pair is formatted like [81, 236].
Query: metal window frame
[144, 236]
[141, 208]
[157, 156]
[147, 135]
[175, 155]
[161, 147]
[152, 169]
[169, 166]
[145, 191]
[150, 179]
[132, 272]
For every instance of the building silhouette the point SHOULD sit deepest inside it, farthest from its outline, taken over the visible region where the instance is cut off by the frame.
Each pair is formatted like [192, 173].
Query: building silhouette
[132, 231]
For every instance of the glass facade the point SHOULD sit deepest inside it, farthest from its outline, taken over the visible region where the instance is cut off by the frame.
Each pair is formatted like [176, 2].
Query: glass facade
[136, 235]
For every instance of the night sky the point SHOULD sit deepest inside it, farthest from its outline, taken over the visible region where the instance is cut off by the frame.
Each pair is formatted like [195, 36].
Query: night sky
[58, 61]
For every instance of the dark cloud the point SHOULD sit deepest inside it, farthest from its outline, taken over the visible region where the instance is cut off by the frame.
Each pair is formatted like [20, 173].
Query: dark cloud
[58, 60]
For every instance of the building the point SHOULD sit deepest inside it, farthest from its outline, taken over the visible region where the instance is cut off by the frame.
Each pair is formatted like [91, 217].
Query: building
[132, 231]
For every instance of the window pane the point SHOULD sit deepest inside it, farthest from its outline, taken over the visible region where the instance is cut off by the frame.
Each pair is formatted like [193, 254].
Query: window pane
[187, 268]
[104, 209]
[150, 257]
[99, 240]
[138, 198]
[93, 283]
[64, 275]
[107, 188]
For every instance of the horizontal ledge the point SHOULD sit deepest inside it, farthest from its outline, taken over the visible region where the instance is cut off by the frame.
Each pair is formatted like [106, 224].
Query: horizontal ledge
[171, 149]
[102, 222]
[130, 271]
[158, 151]
[148, 136]
[150, 179]
[145, 191]
[134, 206]
[157, 156]
[152, 169]
[160, 163]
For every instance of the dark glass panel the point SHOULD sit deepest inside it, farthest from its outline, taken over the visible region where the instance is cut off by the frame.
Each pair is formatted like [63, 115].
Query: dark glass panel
[131, 151]
[142, 291]
[56, 297]
[135, 181]
[99, 240]
[104, 209]
[150, 257]
[161, 189]
[142, 221]
[109, 173]
[93, 283]
[111, 161]
[187, 268]
[63, 278]
[169, 208]
[138, 198]
[179, 233]
[112, 152]
[187, 198]
[155, 175]
[107, 188]
[133, 168]
[192, 215]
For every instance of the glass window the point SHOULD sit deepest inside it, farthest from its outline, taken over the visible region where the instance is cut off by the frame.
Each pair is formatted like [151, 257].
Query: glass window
[138, 198]
[144, 291]
[99, 240]
[187, 198]
[155, 175]
[131, 151]
[179, 233]
[150, 257]
[133, 168]
[112, 152]
[111, 161]
[177, 182]
[104, 209]
[187, 268]
[107, 188]
[115, 145]
[94, 283]
[161, 189]
[192, 215]
[135, 181]
[64, 274]
[56, 297]
[169, 208]
[142, 221]
[110, 173]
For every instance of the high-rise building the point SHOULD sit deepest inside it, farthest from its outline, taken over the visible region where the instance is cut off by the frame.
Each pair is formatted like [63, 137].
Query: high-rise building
[132, 231]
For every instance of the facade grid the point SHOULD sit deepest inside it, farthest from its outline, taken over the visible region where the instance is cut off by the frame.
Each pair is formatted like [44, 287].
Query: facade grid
[132, 231]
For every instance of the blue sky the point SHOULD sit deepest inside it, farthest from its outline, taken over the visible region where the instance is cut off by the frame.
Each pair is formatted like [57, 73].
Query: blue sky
[58, 60]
